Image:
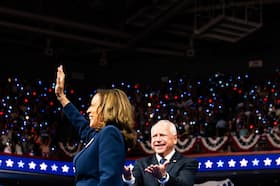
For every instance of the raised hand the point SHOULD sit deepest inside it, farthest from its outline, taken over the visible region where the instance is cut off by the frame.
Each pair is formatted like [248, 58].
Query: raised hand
[60, 80]
[59, 86]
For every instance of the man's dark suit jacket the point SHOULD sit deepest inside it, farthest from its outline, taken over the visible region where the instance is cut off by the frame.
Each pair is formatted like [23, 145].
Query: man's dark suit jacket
[181, 170]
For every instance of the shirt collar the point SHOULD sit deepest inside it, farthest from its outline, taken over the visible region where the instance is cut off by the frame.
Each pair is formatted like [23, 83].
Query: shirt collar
[167, 157]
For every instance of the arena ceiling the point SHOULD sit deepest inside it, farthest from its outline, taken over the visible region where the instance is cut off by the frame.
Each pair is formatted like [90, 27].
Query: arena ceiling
[145, 27]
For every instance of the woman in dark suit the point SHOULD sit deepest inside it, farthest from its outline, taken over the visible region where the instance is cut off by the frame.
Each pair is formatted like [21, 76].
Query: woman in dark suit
[108, 134]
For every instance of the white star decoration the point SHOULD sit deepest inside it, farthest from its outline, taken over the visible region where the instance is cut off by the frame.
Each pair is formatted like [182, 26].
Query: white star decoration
[267, 162]
[220, 163]
[255, 162]
[43, 166]
[243, 163]
[54, 167]
[9, 163]
[278, 161]
[231, 163]
[32, 165]
[207, 164]
[65, 168]
[20, 164]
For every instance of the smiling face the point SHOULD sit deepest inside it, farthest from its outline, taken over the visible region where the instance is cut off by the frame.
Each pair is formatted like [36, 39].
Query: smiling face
[95, 118]
[163, 140]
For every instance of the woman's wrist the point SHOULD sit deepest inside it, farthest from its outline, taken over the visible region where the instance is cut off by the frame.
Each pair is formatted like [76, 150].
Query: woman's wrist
[63, 100]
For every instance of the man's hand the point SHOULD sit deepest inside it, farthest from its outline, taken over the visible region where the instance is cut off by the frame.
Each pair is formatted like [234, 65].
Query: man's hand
[127, 172]
[158, 171]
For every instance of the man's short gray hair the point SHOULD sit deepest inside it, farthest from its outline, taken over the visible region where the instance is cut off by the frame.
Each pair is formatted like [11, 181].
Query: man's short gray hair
[171, 125]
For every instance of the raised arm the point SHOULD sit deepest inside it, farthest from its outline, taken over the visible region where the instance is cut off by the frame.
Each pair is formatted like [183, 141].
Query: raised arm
[59, 86]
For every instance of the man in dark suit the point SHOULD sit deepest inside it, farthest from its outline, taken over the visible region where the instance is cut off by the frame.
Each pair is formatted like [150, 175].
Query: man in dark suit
[167, 166]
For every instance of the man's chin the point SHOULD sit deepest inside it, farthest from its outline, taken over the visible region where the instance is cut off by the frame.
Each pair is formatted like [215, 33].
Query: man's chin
[159, 151]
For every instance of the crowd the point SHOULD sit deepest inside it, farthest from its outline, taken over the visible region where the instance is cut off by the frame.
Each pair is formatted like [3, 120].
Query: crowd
[31, 121]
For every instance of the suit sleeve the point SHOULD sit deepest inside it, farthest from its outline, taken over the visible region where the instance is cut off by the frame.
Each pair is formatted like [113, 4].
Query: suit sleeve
[111, 156]
[138, 170]
[78, 121]
[186, 174]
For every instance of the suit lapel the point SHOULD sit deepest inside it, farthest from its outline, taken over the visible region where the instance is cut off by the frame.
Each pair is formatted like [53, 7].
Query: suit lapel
[152, 180]
[154, 160]
[173, 161]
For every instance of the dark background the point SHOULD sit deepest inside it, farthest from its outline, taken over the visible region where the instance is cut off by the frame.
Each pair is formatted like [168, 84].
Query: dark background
[139, 40]
[101, 41]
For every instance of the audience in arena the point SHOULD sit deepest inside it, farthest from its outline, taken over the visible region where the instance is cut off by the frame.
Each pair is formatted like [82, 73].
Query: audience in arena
[31, 121]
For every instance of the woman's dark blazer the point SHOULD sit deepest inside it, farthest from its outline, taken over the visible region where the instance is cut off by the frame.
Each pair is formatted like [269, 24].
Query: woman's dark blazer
[100, 162]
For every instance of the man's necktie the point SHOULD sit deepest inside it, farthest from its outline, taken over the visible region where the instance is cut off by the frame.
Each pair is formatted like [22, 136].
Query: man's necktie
[162, 160]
